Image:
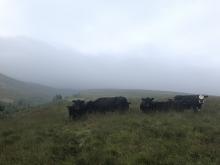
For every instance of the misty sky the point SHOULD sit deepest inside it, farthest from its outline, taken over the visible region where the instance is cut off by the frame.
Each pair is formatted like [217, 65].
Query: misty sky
[141, 44]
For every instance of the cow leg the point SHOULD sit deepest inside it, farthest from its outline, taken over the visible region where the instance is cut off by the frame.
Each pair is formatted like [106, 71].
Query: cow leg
[69, 114]
[195, 109]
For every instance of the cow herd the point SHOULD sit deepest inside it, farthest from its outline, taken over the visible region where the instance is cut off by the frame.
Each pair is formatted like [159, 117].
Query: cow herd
[179, 103]
[121, 104]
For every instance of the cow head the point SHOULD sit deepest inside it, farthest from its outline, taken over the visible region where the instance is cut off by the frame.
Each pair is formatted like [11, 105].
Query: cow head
[147, 101]
[201, 100]
[78, 104]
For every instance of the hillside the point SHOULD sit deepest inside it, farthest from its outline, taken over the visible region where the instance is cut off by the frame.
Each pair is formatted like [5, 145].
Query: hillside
[12, 89]
[45, 135]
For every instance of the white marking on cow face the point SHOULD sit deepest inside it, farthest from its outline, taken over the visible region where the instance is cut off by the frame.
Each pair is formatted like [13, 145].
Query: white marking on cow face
[201, 101]
[201, 97]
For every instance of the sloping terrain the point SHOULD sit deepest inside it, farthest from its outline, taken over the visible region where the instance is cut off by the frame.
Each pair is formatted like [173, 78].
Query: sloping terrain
[12, 90]
[45, 135]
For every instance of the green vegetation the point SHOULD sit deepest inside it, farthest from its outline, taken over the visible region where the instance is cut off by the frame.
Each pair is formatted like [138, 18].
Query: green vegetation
[45, 135]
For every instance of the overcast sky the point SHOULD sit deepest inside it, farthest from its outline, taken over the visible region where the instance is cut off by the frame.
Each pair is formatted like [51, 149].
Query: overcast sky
[164, 45]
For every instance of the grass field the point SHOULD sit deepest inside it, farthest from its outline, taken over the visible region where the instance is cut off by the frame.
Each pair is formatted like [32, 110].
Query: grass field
[45, 135]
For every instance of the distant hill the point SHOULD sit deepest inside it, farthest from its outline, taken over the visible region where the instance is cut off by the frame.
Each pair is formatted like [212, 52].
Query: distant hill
[12, 90]
[130, 93]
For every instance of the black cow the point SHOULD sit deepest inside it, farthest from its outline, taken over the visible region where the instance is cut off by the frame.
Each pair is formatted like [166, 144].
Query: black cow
[194, 102]
[105, 104]
[162, 105]
[2, 108]
[108, 104]
[149, 105]
[77, 109]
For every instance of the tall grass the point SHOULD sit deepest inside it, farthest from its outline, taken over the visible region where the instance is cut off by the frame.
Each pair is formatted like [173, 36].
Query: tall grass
[45, 135]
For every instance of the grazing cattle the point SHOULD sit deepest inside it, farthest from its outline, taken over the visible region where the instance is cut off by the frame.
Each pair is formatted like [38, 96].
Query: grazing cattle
[77, 109]
[105, 104]
[162, 105]
[149, 105]
[194, 102]
[180, 103]
[108, 104]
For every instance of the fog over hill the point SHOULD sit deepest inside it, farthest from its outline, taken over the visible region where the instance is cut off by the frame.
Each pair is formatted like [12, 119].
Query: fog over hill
[35, 61]
[124, 44]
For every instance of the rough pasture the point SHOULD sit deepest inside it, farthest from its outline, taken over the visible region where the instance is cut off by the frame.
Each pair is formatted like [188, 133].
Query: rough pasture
[45, 135]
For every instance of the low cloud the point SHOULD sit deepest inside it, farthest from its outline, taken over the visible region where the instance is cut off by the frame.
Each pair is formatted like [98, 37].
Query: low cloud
[36, 61]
